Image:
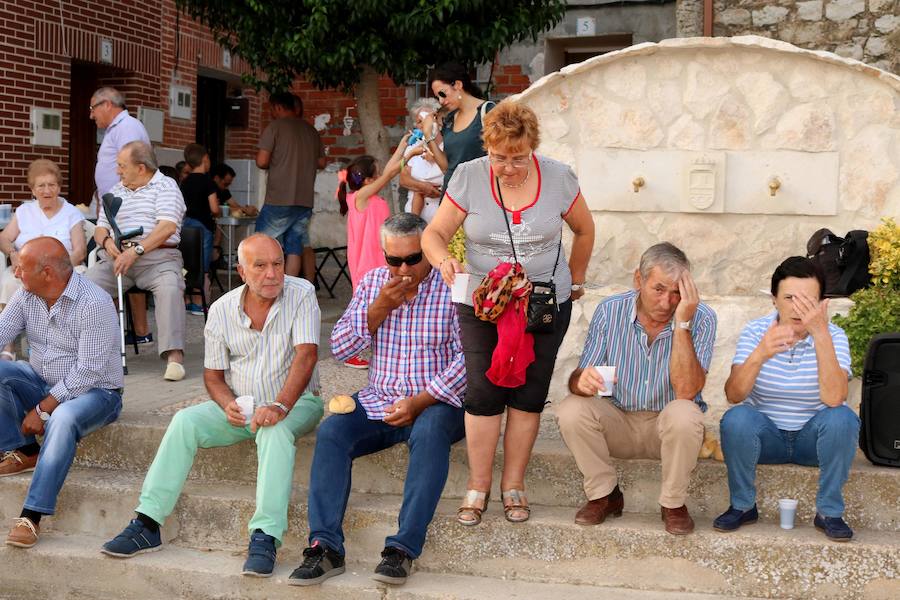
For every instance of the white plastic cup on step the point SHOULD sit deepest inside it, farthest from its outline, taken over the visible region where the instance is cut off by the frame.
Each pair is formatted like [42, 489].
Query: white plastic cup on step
[787, 508]
[246, 404]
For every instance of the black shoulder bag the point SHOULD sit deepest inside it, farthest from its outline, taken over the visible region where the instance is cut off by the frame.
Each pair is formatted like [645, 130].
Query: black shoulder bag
[543, 311]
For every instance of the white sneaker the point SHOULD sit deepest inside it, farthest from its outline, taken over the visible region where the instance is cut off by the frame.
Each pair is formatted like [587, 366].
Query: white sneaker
[174, 372]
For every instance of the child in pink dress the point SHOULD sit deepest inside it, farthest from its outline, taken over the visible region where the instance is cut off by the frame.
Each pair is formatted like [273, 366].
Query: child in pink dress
[366, 211]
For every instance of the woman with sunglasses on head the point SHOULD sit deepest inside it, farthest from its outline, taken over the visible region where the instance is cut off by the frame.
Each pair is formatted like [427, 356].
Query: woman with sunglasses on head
[461, 131]
[512, 205]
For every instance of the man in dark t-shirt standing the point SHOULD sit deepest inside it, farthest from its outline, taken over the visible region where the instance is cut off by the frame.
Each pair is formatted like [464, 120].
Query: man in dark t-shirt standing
[202, 204]
[291, 150]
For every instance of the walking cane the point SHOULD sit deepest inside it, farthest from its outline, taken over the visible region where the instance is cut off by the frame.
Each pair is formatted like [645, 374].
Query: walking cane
[111, 205]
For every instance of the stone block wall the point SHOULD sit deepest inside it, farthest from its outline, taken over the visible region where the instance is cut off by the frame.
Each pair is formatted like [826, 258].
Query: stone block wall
[867, 30]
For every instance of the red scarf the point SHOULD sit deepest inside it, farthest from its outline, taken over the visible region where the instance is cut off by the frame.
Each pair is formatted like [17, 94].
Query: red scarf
[502, 297]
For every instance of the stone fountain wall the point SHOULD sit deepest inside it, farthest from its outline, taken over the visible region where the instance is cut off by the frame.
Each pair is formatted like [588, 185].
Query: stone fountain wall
[827, 127]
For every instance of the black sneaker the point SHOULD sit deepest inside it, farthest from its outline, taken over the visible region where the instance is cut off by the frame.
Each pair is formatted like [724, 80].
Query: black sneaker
[319, 563]
[395, 566]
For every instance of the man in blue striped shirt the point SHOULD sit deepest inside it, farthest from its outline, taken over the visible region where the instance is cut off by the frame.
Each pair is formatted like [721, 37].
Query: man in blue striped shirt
[789, 375]
[659, 339]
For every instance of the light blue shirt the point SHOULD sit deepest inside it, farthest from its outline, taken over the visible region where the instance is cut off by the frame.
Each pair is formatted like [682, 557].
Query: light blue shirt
[787, 387]
[123, 129]
[616, 338]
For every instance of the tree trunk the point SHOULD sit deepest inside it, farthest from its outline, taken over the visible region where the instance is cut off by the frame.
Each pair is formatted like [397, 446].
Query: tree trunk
[375, 135]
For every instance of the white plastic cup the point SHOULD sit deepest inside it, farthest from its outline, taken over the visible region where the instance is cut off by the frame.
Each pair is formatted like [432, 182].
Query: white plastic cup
[460, 289]
[608, 373]
[246, 404]
[787, 508]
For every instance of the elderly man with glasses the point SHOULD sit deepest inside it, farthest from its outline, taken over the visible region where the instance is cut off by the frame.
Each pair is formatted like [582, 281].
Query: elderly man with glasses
[417, 380]
[152, 261]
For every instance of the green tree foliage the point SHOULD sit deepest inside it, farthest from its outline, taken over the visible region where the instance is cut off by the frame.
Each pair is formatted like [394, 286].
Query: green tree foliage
[328, 42]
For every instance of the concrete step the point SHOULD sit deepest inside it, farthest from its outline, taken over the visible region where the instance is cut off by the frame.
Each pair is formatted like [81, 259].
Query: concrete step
[632, 552]
[66, 567]
[872, 493]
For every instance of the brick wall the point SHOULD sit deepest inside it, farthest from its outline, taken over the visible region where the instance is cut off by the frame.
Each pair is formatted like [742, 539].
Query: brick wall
[40, 41]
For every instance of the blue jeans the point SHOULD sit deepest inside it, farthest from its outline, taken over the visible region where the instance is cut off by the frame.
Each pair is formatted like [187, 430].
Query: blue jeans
[828, 441]
[21, 388]
[207, 248]
[288, 224]
[342, 438]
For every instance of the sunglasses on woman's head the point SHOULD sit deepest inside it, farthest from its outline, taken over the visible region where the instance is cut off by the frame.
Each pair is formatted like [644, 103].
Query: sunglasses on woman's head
[396, 261]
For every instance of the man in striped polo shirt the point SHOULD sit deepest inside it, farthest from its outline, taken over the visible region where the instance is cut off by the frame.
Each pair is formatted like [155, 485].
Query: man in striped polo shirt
[151, 261]
[659, 339]
[789, 378]
[266, 334]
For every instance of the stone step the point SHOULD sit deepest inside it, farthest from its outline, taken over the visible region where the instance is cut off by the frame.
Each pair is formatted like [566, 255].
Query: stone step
[66, 566]
[632, 552]
[872, 493]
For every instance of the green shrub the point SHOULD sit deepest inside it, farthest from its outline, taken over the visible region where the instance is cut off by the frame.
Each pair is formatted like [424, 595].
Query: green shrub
[876, 309]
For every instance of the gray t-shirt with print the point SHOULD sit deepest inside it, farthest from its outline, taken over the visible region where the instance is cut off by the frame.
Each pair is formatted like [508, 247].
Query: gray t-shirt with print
[536, 229]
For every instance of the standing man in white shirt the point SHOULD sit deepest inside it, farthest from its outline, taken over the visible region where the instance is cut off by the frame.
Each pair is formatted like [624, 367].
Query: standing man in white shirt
[109, 113]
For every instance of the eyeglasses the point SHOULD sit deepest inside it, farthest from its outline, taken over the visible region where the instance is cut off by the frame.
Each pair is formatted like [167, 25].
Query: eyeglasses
[517, 162]
[442, 94]
[396, 261]
[96, 104]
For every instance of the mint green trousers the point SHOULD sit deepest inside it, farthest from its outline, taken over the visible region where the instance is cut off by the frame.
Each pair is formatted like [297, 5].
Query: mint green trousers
[205, 426]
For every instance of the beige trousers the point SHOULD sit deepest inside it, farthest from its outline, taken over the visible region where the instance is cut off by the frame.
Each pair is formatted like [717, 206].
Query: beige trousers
[159, 272]
[595, 430]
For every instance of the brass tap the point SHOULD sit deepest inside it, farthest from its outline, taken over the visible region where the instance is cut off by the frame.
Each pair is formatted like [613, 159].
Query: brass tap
[774, 186]
[637, 183]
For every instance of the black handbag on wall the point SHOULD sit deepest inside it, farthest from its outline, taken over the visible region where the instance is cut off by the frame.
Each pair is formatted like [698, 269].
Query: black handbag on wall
[543, 310]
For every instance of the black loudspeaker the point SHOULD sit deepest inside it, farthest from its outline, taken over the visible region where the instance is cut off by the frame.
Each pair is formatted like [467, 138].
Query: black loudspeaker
[879, 436]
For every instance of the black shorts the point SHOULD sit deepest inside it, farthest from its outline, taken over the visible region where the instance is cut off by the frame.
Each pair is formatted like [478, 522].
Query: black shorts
[479, 338]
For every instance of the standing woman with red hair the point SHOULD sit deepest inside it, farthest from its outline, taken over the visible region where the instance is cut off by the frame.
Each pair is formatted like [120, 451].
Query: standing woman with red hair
[512, 205]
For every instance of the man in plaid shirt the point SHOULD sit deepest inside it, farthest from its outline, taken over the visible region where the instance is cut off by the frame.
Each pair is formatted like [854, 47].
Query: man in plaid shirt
[72, 384]
[416, 385]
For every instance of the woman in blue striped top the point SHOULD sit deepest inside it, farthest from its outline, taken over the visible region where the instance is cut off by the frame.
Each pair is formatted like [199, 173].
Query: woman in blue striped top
[789, 378]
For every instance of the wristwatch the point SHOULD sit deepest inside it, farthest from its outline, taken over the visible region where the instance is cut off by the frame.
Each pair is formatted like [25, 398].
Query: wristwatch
[138, 249]
[281, 406]
[685, 325]
[577, 286]
[45, 416]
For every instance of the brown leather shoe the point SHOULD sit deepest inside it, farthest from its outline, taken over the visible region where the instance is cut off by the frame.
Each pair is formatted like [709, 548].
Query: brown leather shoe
[24, 533]
[677, 520]
[596, 511]
[13, 463]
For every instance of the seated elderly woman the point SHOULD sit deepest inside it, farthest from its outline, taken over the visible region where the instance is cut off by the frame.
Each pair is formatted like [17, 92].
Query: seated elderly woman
[46, 214]
[789, 375]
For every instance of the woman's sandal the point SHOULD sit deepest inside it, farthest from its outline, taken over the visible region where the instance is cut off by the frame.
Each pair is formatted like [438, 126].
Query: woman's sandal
[473, 506]
[515, 506]
[7, 355]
